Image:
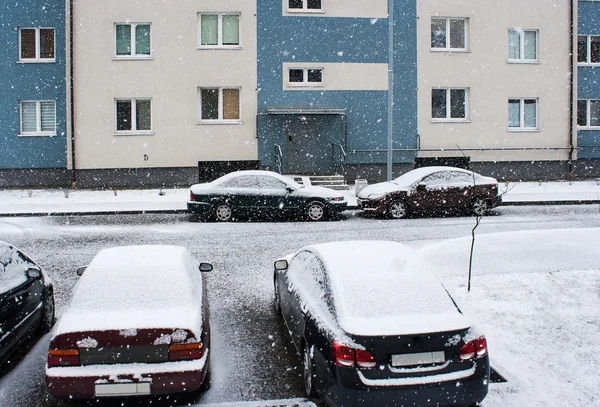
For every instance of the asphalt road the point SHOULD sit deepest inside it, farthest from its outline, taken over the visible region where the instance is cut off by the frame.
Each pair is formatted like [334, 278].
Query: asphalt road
[252, 357]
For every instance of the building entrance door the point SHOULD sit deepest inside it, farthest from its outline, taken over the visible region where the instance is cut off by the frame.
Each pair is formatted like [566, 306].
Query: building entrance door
[302, 146]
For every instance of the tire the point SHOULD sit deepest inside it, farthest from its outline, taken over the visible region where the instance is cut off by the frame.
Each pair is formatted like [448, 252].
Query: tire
[397, 209]
[49, 316]
[315, 211]
[308, 372]
[222, 212]
[276, 299]
[479, 206]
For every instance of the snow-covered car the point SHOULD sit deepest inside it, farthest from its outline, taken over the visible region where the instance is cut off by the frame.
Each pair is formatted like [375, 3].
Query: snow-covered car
[26, 299]
[431, 190]
[375, 327]
[137, 324]
[263, 193]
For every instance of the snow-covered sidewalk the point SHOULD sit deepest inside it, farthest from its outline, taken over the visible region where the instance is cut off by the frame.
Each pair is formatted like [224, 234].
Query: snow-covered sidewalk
[56, 201]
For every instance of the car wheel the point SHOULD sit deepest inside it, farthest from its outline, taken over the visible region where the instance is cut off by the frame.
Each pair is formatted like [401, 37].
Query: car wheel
[276, 299]
[223, 212]
[49, 317]
[315, 211]
[479, 206]
[308, 373]
[397, 209]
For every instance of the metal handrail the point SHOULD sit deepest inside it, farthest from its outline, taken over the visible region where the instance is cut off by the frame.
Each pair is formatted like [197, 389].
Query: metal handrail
[278, 157]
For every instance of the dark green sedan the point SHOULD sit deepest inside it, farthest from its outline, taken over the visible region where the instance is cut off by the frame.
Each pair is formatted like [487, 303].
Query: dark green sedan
[263, 194]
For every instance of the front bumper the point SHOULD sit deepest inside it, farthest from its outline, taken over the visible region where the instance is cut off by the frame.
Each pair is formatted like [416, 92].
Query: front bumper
[135, 379]
[201, 208]
[371, 205]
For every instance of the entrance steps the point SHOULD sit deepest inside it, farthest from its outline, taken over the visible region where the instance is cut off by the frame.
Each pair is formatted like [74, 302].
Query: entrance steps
[336, 182]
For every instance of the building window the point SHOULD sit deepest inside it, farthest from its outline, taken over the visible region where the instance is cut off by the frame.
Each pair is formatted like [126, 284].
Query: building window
[133, 40]
[305, 76]
[522, 114]
[588, 113]
[449, 104]
[305, 5]
[36, 44]
[38, 118]
[522, 45]
[449, 34]
[219, 104]
[134, 115]
[588, 49]
[219, 30]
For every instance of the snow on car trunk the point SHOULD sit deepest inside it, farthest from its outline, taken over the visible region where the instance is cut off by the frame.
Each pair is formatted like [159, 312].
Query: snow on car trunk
[385, 288]
[136, 287]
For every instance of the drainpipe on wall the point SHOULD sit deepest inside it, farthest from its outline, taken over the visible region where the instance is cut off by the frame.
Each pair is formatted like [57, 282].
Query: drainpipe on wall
[70, 97]
[390, 88]
[573, 87]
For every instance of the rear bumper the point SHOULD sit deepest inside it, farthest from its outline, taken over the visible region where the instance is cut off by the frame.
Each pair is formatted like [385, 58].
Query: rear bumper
[337, 207]
[465, 391]
[163, 378]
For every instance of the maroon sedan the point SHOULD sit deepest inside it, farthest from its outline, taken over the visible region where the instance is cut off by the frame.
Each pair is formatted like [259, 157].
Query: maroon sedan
[137, 324]
[431, 190]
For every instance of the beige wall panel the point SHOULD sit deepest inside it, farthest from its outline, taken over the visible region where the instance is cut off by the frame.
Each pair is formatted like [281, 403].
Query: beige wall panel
[492, 80]
[171, 79]
[343, 76]
[342, 8]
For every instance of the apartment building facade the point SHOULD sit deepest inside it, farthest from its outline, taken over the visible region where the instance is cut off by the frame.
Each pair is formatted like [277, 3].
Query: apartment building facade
[160, 88]
[323, 86]
[495, 87]
[33, 109]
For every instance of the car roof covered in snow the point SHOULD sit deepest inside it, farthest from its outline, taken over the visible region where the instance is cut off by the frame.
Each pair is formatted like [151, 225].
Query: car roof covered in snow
[385, 288]
[417, 174]
[240, 173]
[132, 287]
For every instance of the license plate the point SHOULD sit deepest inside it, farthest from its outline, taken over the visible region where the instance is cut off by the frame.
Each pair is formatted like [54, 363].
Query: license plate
[414, 359]
[122, 389]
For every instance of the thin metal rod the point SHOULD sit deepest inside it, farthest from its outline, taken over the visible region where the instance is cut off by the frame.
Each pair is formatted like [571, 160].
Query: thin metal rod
[390, 88]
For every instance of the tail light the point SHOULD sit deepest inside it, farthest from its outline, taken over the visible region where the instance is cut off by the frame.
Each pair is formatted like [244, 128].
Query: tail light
[192, 196]
[63, 357]
[349, 357]
[474, 349]
[186, 351]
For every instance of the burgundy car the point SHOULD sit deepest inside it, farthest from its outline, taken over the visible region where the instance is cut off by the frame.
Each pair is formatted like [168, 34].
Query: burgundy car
[137, 324]
[431, 190]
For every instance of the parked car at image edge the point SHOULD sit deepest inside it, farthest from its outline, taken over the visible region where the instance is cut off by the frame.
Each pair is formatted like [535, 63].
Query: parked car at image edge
[26, 299]
[137, 324]
[375, 327]
[431, 190]
[263, 193]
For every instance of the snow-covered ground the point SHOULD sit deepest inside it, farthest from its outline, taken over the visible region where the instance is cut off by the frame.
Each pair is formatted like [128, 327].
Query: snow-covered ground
[536, 295]
[40, 201]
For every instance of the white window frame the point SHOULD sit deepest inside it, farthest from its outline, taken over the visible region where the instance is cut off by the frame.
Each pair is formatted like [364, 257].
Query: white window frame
[38, 48]
[588, 57]
[219, 44]
[522, 127]
[133, 130]
[38, 119]
[220, 119]
[304, 8]
[134, 55]
[522, 59]
[305, 82]
[448, 117]
[448, 40]
[588, 115]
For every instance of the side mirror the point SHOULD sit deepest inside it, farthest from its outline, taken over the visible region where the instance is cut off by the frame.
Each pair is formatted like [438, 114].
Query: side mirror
[33, 273]
[80, 271]
[290, 189]
[281, 265]
[205, 267]
[421, 186]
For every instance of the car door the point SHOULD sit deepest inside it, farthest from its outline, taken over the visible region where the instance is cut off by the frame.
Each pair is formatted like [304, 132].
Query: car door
[31, 293]
[430, 195]
[460, 190]
[272, 193]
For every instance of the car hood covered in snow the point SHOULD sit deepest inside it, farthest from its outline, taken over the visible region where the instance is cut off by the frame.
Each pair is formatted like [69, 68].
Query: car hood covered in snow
[385, 288]
[136, 287]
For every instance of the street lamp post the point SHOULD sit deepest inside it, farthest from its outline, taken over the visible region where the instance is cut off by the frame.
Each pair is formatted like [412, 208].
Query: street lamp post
[390, 88]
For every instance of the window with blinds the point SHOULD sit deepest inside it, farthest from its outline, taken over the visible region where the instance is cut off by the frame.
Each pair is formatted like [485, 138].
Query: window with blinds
[38, 118]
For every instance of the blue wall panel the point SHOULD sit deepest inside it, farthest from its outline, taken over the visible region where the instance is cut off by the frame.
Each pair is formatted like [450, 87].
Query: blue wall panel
[340, 39]
[588, 77]
[31, 81]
